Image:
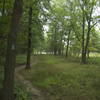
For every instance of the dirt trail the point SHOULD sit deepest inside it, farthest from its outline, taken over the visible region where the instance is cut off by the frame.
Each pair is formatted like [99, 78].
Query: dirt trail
[36, 93]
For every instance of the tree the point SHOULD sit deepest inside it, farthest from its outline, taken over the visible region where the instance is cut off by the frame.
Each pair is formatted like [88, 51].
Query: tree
[3, 7]
[87, 8]
[8, 85]
[68, 40]
[29, 44]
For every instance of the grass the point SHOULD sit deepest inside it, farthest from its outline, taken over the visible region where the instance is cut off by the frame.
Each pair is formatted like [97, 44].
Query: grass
[62, 79]
[21, 93]
[21, 59]
[94, 58]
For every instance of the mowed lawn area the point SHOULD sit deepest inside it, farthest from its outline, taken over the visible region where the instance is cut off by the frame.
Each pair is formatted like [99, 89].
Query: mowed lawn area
[61, 79]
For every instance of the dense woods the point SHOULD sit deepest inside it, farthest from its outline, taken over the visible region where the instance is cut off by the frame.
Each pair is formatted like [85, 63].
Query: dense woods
[48, 32]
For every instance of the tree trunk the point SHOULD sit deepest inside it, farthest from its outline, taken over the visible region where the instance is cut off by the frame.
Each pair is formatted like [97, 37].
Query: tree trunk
[8, 85]
[61, 44]
[83, 40]
[3, 7]
[2, 37]
[55, 50]
[86, 46]
[62, 51]
[59, 51]
[67, 48]
[28, 64]
[87, 42]
[88, 53]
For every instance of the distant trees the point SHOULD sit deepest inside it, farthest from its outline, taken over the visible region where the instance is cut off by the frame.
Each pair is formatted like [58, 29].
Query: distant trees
[87, 8]
[75, 21]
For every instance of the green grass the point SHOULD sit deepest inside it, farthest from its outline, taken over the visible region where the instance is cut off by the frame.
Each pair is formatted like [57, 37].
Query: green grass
[94, 60]
[65, 80]
[21, 59]
[21, 93]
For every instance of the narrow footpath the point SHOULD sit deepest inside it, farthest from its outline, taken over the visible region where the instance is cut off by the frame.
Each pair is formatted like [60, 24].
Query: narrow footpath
[36, 93]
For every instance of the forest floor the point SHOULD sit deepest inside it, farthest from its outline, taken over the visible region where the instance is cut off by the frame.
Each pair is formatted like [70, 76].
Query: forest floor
[58, 78]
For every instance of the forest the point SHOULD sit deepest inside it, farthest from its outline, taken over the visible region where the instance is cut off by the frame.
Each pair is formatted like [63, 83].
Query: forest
[49, 49]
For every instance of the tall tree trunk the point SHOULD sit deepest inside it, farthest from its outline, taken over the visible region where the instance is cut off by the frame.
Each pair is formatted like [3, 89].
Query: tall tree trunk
[3, 7]
[67, 48]
[8, 85]
[2, 37]
[59, 50]
[83, 40]
[88, 53]
[28, 64]
[87, 42]
[86, 46]
[61, 44]
[55, 48]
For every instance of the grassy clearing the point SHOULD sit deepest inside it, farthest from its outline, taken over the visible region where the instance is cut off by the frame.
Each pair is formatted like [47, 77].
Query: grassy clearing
[64, 80]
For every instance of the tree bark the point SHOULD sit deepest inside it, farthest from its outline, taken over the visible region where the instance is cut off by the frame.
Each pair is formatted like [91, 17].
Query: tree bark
[67, 48]
[88, 53]
[55, 50]
[28, 64]
[61, 45]
[83, 40]
[55, 47]
[8, 85]
[87, 42]
[3, 7]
